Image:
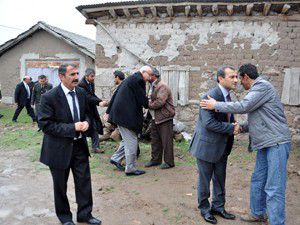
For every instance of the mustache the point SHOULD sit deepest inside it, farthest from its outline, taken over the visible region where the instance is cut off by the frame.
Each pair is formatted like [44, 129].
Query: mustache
[75, 81]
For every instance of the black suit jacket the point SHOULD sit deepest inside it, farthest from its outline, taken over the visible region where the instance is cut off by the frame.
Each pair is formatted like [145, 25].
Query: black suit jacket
[93, 102]
[213, 135]
[55, 120]
[21, 94]
[126, 106]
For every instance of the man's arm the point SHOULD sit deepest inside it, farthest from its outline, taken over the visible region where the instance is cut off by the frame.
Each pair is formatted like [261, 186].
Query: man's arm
[160, 101]
[253, 100]
[48, 123]
[33, 97]
[140, 94]
[17, 93]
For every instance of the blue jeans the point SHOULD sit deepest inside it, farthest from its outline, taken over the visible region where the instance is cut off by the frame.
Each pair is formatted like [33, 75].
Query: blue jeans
[268, 183]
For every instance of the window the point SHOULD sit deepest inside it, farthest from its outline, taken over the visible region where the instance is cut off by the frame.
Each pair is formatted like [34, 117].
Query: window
[178, 81]
[291, 87]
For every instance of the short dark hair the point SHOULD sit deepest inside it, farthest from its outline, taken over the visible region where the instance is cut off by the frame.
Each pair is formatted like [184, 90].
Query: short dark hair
[221, 71]
[119, 74]
[63, 68]
[250, 70]
[89, 71]
[42, 76]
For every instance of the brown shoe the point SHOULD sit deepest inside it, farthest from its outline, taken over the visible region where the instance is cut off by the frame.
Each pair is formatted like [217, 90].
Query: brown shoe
[253, 219]
[98, 150]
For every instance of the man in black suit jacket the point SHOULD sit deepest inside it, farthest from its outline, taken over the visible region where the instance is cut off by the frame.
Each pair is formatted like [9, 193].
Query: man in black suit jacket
[96, 128]
[63, 117]
[23, 94]
[211, 144]
[126, 110]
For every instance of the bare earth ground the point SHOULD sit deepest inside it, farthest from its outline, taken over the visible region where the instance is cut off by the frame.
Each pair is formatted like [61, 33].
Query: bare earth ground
[160, 197]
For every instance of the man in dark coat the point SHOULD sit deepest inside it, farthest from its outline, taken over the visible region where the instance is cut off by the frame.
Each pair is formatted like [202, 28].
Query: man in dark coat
[22, 98]
[40, 88]
[96, 128]
[63, 117]
[126, 111]
[211, 144]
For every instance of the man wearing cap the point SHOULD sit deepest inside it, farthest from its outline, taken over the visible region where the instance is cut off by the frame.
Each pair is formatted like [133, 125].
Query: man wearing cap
[96, 128]
[162, 111]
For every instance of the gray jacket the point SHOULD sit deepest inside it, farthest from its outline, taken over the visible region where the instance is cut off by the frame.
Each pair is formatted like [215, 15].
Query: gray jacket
[267, 124]
[213, 136]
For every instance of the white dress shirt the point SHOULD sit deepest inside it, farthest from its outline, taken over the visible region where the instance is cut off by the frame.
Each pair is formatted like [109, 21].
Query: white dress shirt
[27, 89]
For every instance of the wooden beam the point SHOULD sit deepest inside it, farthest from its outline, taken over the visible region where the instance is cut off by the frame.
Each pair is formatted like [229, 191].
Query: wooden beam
[187, 10]
[215, 10]
[230, 10]
[285, 9]
[126, 12]
[267, 7]
[153, 11]
[249, 8]
[141, 11]
[113, 13]
[170, 10]
[199, 10]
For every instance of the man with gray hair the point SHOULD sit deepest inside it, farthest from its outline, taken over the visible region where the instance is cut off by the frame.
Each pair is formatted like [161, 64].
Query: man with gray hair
[162, 111]
[126, 111]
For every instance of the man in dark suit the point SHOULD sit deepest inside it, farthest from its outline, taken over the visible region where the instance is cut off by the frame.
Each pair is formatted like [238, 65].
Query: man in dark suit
[126, 110]
[63, 117]
[40, 88]
[96, 128]
[211, 144]
[23, 94]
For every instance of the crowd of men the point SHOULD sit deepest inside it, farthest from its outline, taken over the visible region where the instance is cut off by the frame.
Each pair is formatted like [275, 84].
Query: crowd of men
[68, 113]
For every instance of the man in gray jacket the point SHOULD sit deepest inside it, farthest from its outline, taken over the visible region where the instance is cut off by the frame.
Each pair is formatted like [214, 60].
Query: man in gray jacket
[270, 136]
[211, 144]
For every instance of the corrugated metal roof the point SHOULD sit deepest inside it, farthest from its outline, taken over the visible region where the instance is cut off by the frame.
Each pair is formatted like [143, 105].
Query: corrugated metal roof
[83, 44]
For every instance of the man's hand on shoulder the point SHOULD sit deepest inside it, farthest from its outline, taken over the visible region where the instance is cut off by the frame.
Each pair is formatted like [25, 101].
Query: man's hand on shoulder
[209, 103]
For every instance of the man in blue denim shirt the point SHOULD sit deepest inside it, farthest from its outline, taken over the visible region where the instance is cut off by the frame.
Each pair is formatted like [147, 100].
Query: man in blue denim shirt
[270, 136]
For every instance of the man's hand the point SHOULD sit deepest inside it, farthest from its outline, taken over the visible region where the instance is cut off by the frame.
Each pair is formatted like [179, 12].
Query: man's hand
[104, 103]
[85, 126]
[106, 117]
[78, 126]
[237, 129]
[209, 103]
[82, 126]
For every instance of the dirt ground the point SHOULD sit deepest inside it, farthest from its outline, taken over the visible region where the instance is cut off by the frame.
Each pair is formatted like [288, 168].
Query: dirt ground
[160, 197]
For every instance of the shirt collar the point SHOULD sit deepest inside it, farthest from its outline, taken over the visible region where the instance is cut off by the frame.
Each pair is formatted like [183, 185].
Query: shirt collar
[65, 89]
[225, 92]
[26, 85]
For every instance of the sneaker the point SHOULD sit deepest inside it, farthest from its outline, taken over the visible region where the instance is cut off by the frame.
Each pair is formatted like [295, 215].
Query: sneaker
[253, 219]
[165, 166]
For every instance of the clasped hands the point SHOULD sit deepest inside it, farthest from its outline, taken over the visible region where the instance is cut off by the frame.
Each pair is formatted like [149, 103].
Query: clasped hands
[82, 126]
[237, 128]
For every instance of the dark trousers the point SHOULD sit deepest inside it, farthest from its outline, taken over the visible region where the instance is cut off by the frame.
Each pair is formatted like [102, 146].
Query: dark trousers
[28, 108]
[95, 136]
[162, 142]
[216, 172]
[37, 109]
[83, 189]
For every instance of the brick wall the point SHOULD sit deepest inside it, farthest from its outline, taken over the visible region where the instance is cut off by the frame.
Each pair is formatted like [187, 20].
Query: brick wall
[272, 43]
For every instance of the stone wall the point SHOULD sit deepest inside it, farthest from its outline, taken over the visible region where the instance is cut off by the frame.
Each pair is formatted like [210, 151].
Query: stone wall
[272, 43]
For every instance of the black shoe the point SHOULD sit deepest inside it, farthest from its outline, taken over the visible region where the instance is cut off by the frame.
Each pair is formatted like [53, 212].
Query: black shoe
[1, 115]
[14, 121]
[166, 166]
[118, 165]
[68, 223]
[135, 173]
[91, 220]
[223, 214]
[151, 163]
[209, 218]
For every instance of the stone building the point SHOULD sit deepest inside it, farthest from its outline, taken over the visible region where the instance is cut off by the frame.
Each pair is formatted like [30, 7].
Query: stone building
[189, 40]
[40, 50]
